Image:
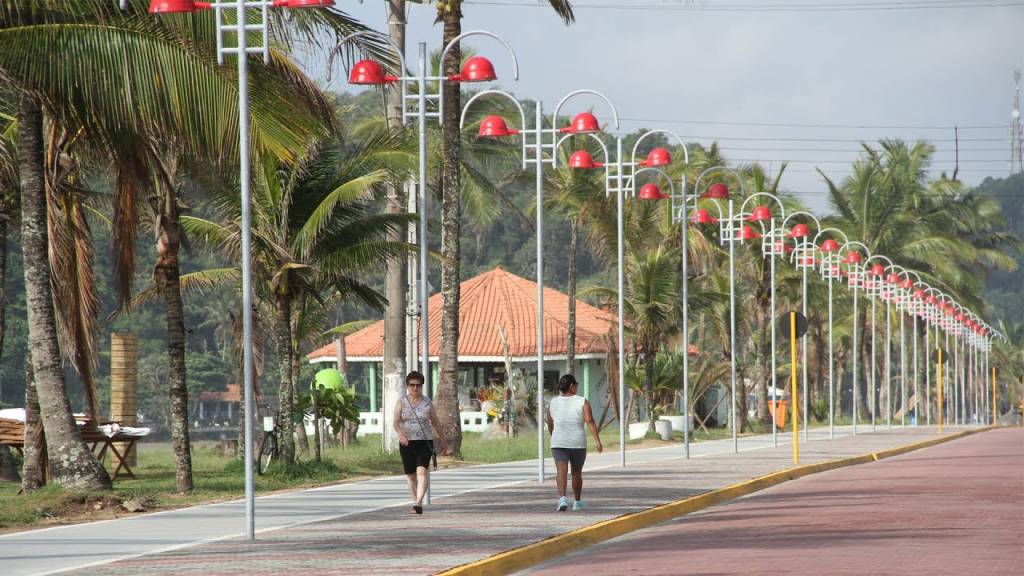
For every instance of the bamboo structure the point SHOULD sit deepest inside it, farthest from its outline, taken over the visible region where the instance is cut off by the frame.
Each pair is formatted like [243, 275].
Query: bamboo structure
[124, 377]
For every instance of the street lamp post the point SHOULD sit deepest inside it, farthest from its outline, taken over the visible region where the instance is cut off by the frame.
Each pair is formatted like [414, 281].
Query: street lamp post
[496, 127]
[830, 271]
[728, 232]
[772, 245]
[874, 288]
[804, 259]
[855, 278]
[241, 28]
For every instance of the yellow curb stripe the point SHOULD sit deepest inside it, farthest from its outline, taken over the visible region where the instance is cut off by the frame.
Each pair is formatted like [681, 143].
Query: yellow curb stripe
[525, 556]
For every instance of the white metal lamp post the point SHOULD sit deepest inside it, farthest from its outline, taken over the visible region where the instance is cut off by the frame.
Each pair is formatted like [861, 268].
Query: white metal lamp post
[830, 270]
[855, 280]
[772, 245]
[874, 288]
[496, 127]
[621, 180]
[241, 28]
[804, 258]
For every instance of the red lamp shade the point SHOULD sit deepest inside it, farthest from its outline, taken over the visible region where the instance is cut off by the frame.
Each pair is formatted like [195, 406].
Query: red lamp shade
[959, 317]
[930, 300]
[892, 278]
[658, 157]
[176, 6]
[760, 214]
[702, 216]
[303, 3]
[369, 73]
[949, 311]
[717, 191]
[877, 270]
[829, 245]
[495, 127]
[852, 258]
[748, 233]
[650, 191]
[582, 160]
[919, 294]
[782, 247]
[476, 69]
[799, 231]
[583, 123]
[907, 284]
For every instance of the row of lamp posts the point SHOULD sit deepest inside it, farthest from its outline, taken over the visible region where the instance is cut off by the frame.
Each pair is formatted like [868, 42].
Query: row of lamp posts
[540, 145]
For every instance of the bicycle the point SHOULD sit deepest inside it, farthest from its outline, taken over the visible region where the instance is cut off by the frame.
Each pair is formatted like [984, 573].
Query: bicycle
[268, 445]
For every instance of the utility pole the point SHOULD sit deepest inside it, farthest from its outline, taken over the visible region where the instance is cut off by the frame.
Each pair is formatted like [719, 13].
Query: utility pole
[1016, 128]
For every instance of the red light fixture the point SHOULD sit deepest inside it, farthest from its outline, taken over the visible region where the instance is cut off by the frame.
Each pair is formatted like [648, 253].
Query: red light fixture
[582, 160]
[852, 258]
[650, 191]
[176, 6]
[748, 233]
[369, 73]
[907, 284]
[760, 214]
[877, 270]
[495, 127]
[657, 157]
[476, 69]
[583, 123]
[892, 278]
[829, 245]
[717, 191]
[702, 216]
[799, 231]
[930, 300]
[919, 294]
[781, 247]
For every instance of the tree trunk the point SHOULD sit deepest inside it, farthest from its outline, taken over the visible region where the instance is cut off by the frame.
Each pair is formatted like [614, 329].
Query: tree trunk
[570, 343]
[396, 279]
[283, 335]
[167, 276]
[300, 426]
[764, 302]
[33, 465]
[446, 394]
[649, 390]
[865, 364]
[4, 220]
[72, 465]
[820, 368]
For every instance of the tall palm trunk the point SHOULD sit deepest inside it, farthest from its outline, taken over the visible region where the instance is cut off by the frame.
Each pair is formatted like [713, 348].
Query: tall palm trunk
[283, 335]
[34, 461]
[764, 302]
[570, 343]
[72, 465]
[396, 278]
[4, 219]
[446, 397]
[166, 276]
[865, 366]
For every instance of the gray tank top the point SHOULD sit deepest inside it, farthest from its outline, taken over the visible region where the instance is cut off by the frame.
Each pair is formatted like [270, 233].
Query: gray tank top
[567, 412]
[416, 419]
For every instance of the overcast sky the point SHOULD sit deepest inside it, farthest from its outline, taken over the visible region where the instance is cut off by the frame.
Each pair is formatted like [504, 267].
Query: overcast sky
[723, 75]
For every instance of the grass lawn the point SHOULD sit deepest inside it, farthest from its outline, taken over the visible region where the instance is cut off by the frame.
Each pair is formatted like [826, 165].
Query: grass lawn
[217, 477]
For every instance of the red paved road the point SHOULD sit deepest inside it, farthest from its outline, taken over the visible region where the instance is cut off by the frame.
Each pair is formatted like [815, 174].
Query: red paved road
[956, 509]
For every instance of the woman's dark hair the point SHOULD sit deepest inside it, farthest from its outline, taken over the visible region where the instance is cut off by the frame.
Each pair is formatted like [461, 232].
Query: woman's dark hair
[566, 382]
[414, 376]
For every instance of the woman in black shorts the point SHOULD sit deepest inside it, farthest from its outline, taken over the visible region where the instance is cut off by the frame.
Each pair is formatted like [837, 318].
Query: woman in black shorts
[568, 414]
[416, 424]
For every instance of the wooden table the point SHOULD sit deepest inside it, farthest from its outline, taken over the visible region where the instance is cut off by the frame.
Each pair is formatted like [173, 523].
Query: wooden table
[12, 433]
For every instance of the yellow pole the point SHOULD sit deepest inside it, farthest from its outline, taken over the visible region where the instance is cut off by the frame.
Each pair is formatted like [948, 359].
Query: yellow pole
[994, 421]
[792, 394]
[940, 390]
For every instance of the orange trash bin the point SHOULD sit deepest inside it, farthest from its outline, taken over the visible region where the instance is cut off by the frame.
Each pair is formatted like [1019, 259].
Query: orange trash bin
[779, 414]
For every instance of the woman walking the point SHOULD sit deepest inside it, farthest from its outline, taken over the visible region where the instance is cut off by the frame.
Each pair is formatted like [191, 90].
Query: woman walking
[416, 424]
[567, 413]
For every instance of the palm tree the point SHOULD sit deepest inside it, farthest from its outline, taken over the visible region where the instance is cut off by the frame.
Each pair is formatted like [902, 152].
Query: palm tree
[108, 92]
[449, 13]
[313, 225]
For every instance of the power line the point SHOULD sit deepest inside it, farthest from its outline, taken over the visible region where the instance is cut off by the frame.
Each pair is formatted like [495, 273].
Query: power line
[805, 125]
[855, 140]
[875, 6]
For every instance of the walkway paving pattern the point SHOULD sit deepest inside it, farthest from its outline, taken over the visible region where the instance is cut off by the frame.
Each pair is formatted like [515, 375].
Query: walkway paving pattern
[954, 508]
[364, 528]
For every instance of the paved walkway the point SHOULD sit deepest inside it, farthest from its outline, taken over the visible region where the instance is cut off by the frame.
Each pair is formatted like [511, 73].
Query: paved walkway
[363, 528]
[954, 508]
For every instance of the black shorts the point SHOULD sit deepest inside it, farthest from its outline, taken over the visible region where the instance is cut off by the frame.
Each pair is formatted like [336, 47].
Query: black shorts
[415, 454]
[574, 456]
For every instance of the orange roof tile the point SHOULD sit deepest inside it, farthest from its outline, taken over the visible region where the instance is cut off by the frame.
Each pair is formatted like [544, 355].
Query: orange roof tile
[233, 393]
[498, 298]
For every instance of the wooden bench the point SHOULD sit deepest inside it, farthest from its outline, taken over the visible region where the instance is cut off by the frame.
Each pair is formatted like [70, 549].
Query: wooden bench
[12, 433]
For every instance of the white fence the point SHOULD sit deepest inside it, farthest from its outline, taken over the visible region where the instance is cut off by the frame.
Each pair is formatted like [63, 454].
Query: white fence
[373, 422]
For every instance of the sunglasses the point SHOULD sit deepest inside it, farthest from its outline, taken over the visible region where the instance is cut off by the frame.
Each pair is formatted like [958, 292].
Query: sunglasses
[415, 385]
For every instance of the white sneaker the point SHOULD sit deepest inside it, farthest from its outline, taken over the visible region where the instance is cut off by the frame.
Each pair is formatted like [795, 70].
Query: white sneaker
[563, 504]
[577, 505]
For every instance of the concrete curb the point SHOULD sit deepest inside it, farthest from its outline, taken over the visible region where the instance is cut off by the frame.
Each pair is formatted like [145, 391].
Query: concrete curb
[525, 556]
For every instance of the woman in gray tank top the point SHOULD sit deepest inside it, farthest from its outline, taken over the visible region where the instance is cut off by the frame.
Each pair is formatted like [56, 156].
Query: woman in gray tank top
[567, 415]
[416, 425]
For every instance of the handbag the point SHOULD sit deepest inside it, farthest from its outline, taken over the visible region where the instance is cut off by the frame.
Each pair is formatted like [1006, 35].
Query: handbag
[430, 443]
